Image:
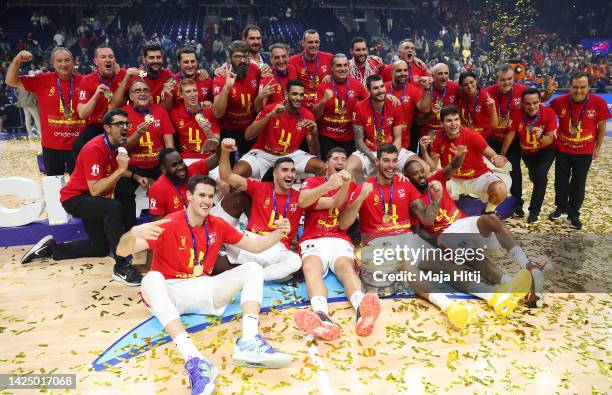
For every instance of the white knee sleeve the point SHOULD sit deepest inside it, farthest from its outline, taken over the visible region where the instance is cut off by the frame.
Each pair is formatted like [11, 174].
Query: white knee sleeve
[252, 289]
[288, 263]
[155, 294]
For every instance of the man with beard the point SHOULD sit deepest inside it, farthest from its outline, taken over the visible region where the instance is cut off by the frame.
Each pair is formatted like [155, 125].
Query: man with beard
[234, 96]
[188, 64]
[414, 101]
[96, 95]
[56, 93]
[168, 193]
[312, 65]
[274, 89]
[280, 129]
[252, 37]
[451, 230]
[362, 65]
[271, 202]
[443, 93]
[473, 177]
[149, 132]
[197, 128]
[536, 126]
[334, 106]
[508, 96]
[376, 122]
[477, 108]
[185, 246]
[324, 246]
[582, 126]
[416, 68]
[88, 196]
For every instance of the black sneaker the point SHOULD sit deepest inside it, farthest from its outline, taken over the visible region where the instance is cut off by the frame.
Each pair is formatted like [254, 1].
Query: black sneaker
[125, 273]
[555, 215]
[575, 223]
[518, 212]
[533, 218]
[42, 249]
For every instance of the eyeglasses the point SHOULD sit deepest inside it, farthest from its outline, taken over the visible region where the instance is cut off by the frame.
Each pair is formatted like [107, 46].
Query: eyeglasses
[241, 57]
[139, 91]
[122, 124]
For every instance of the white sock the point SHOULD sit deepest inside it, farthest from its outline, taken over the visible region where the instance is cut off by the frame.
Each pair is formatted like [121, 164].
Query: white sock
[519, 256]
[319, 303]
[356, 298]
[490, 207]
[186, 347]
[440, 300]
[505, 278]
[250, 326]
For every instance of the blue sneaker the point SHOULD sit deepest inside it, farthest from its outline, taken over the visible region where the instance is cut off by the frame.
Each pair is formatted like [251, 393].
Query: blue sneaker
[257, 353]
[202, 376]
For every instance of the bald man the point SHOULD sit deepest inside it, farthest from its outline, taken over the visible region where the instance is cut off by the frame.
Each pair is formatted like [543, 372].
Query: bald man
[444, 92]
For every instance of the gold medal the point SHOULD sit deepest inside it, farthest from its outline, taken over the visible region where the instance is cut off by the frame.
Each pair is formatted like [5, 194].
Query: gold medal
[142, 74]
[504, 122]
[108, 94]
[439, 103]
[149, 118]
[172, 82]
[199, 117]
[386, 219]
[198, 270]
[68, 114]
[342, 112]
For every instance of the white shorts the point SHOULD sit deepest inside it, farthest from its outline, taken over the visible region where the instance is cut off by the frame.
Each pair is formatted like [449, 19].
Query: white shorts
[464, 233]
[261, 161]
[475, 187]
[194, 295]
[328, 249]
[273, 255]
[368, 168]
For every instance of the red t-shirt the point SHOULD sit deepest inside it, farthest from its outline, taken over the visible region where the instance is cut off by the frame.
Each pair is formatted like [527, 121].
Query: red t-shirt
[476, 115]
[191, 136]
[155, 85]
[284, 133]
[95, 161]
[582, 142]
[88, 87]
[322, 223]
[473, 165]
[264, 213]
[386, 120]
[519, 123]
[410, 96]
[448, 212]
[414, 73]
[173, 251]
[240, 110]
[57, 132]
[333, 123]
[450, 95]
[398, 209]
[205, 89]
[144, 153]
[280, 87]
[312, 76]
[504, 105]
[166, 198]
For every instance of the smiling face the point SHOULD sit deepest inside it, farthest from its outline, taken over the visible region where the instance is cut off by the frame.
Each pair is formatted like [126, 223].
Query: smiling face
[579, 88]
[440, 75]
[154, 62]
[140, 94]
[360, 52]
[505, 80]
[284, 175]
[387, 165]
[340, 68]
[279, 59]
[201, 200]
[336, 163]
[417, 175]
[452, 125]
[377, 91]
[105, 61]
[400, 72]
[531, 104]
[190, 94]
[469, 85]
[63, 63]
[295, 97]
[175, 167]
[253, 40]
[311, 44]
[188, 64]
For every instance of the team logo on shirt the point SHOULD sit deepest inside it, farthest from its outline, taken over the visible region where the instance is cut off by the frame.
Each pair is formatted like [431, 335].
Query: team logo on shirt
[82, 95]
[305, 184]
[95, 170]
[254, 83]
[204, 91]
[267, 202]
[212, 238]
[293, 207]
[176, 202]
[478, 108]
[182, 123]
[517, 102]
[183, 241]
[52, 91]
[402, 193]
[217, 89]
[563, 112]
[376, 199]
[590, 113]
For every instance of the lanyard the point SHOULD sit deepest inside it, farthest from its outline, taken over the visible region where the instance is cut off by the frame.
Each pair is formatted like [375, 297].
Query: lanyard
[571, 113]
[67, 108]
[146, 111]
[286, 204]
[311, 77]
[111, 148]
[472, 109]
[403, 91]
[178, 192]
[348, 88]
[378, 130]
[499, 97]
[439, 99]
[385, 207]
[530, 123]
[197, 261]
[110, 81]
[277, 77]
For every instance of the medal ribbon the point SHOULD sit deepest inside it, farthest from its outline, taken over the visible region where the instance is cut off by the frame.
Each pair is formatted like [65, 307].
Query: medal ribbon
[59, 90]
[571, 113]
[385, 207]
[280, 83]
[286, 204]
[403, 91]
[499, 97]
[111, 148]
[197, 261]
[530, 123]
[311, 77]
[382, 123]
[346, 95]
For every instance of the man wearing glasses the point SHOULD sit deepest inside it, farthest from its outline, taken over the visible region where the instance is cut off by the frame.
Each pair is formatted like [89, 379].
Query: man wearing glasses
[234, 96]
[88, 196]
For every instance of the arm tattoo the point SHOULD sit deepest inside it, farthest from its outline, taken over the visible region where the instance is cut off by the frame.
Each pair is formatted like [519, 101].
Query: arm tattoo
[359, 142]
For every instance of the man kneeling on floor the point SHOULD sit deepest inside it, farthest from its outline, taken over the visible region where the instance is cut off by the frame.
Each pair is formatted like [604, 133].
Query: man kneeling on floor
[185, 245]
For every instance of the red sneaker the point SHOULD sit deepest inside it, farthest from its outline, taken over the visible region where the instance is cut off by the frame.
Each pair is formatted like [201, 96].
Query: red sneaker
[317, 324]
[367, 313]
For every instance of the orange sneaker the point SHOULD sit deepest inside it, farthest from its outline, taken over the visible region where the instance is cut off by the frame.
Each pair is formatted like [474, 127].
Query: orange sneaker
[317, 324]
[367, 313]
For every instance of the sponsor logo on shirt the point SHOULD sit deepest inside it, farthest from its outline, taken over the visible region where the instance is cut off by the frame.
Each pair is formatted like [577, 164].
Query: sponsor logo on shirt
[95, 170]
